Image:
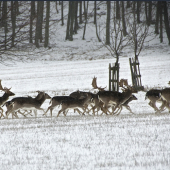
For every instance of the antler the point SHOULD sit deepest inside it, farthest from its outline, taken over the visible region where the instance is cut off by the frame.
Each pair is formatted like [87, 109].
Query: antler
[169, 82]
[94, 84]
[1, 88]
[5, 89]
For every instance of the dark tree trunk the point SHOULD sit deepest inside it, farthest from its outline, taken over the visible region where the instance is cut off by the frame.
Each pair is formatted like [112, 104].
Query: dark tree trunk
[62, 14]
[32, 16]
[94, 12]
[138, 11]
[72, 21]
[117, 10]
[86, 10]
[161, 26]
[146, 12]
[41, 19]
[13, 19]
[158, 6]
[38, 24]
[16, 7]
[150, 13]
[166, 20]
[4, 21]
[68, 21]
[123, 19]
[76, 21]
[108, 23]
[128, 4]
[47, 24]
[80, 13]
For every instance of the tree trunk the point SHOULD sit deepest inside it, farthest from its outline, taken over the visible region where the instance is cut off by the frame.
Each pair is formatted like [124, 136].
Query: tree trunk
[161, 26]
[68, 21]
[146, 12]
[76, 21]
[47, 24]
[41, 19]
[157, 17]
[38, 26]
[138, 11]
[13, 19]
[16, 7]
[108, 23]
[166, 20]
[123, 20]
[32, 16]
[150, 13]
[4, 21]
[62, 14]
[128, 4]
[80, 13]
[117, 10]
[94, 12]
[72, 20]
[86, 10]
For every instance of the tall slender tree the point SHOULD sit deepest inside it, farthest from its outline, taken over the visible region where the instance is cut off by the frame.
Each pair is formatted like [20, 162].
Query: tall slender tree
[166, 20]
[123, 19]
[108, 23]
[47, 24]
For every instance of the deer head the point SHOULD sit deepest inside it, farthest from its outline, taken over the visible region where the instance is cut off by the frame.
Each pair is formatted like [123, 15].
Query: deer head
[94, 84]
[6, 90]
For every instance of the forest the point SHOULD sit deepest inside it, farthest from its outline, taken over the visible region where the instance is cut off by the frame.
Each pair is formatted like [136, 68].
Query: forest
[126, 23]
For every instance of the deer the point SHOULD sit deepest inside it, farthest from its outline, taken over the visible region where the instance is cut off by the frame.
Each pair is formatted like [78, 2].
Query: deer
[5, 97]
[154, 95]
[75, 104]
[27, 103]
[56, 101]
[116, 98]
[165, 96]
[125, 104]
[81, 95]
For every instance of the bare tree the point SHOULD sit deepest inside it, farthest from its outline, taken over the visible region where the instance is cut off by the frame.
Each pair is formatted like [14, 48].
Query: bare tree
[86, 11]
[137, 34]
[108, 23]
[47, 24]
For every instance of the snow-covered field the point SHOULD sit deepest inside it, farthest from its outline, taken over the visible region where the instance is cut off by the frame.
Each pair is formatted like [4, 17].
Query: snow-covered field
[139, 141]
[127, 141]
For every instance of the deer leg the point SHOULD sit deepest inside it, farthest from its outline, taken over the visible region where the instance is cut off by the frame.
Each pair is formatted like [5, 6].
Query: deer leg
[153, 105]
[1, 113]
[162, 107]
[128, 108]
[21, 113]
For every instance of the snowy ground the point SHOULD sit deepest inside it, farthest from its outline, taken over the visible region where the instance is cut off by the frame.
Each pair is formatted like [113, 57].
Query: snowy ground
[139, 141]
[127, 141]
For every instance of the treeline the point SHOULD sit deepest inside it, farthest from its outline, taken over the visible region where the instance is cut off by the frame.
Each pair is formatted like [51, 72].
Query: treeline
[29, 21]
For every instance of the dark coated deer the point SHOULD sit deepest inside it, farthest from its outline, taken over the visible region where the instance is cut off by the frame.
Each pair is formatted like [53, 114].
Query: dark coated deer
[153, 95]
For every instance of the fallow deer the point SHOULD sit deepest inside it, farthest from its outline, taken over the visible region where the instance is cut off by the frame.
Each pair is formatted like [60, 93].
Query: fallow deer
[56, 101]
[165, 96]
[153, 95]
[5, 97]
[75, 104]
[27, 103]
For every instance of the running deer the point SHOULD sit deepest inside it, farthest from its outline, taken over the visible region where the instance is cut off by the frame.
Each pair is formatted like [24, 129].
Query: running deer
[75, 104]
[165, 96]
[5, 97]
[81, 95]
[153, 95]
[116, 98]
[125, 104]
[27, 103]
[56, 101]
